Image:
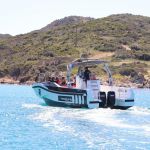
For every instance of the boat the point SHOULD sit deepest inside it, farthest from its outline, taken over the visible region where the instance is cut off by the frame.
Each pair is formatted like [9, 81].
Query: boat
[85, 94]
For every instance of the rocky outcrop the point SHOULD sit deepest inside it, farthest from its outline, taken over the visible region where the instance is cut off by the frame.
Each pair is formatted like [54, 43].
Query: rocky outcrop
[143, 56]
[138, 78]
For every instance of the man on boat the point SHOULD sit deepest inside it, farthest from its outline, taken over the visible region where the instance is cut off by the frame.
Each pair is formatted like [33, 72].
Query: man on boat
[87, 73]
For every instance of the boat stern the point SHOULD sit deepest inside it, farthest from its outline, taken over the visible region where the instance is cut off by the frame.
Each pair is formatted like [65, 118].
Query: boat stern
[124, 98]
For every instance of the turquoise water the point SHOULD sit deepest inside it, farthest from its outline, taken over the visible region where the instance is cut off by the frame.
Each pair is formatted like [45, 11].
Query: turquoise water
[26, 123]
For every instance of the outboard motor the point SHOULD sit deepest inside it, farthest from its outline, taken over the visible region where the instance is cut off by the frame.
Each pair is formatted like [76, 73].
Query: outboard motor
[102, 97]
[111, 99]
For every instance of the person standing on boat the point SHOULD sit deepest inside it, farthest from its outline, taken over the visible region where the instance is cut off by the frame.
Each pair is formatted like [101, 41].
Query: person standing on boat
[87, 73]
[80, 73]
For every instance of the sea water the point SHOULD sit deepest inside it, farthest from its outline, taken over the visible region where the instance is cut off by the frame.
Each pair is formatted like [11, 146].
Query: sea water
[26, 123]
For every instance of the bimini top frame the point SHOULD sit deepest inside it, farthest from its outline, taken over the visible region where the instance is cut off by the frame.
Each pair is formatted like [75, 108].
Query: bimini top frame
[88, 62]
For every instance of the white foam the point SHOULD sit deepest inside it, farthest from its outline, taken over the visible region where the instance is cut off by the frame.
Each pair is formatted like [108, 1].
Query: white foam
[146, 128]
[106, 117]
[58, 118]
[140, 111]
[48, 118]
[30, 106]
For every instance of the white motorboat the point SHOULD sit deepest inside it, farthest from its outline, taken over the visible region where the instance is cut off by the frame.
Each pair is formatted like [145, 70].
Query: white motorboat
[88, 94]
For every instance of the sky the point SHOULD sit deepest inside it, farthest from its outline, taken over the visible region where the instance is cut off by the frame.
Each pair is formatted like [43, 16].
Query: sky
[23, 16]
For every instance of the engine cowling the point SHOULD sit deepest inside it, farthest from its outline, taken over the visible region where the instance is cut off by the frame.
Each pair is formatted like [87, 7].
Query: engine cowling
[111, 97]
[102, 97]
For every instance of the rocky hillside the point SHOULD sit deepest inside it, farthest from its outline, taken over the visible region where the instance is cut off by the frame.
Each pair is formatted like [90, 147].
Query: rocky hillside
[124, 37]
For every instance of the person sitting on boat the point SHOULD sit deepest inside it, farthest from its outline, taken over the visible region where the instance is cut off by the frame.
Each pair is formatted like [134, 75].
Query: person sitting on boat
[57, 80]
[73, 80]
[63, 81]
[53, 79]
[49, 79]
[87, 73]
[93, 76]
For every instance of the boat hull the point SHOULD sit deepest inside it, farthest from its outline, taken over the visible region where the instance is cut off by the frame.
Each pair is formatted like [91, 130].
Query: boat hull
[78, 98]
[61, 97]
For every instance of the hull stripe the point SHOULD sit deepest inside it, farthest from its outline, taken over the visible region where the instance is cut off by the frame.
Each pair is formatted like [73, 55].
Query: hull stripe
[74, 99]
[129, 100]
[60, 92]
[78, 99]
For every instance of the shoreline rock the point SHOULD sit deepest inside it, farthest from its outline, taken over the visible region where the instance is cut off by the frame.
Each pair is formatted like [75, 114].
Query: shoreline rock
[127, 83]
[9, 80]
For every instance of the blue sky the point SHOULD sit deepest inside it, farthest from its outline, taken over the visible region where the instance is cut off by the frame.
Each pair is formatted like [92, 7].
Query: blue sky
[22, 16]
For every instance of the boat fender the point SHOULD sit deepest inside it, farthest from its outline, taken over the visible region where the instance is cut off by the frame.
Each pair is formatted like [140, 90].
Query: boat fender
[102, 97]
[111, 99]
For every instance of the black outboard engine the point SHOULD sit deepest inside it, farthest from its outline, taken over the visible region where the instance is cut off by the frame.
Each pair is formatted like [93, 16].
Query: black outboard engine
[102, 97]
[111, 99]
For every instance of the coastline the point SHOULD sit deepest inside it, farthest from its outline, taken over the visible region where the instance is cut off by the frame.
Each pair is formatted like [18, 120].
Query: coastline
[118, 83]
[9, 80]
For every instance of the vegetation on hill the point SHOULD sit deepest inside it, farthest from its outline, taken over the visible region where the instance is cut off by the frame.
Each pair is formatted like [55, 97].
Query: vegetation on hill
[4, 36]
[126, 36]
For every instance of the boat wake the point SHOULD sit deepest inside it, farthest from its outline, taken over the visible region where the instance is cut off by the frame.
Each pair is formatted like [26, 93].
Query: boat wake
[55, 116]
[95, 125]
